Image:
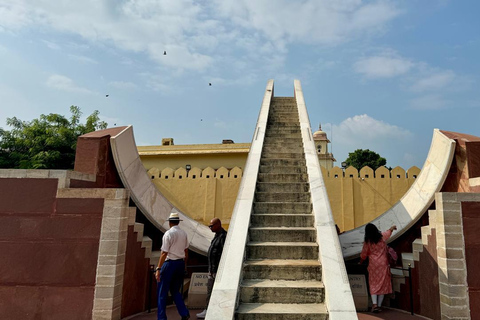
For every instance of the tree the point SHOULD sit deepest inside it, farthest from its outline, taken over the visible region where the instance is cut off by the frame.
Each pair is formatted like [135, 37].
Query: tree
[48, 142]
[361, 158]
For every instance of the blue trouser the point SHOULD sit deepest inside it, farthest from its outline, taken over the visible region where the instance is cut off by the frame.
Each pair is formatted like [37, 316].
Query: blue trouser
[171, 278]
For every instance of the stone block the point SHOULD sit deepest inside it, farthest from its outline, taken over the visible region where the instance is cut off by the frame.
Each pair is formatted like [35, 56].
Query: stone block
[116, 203]
[449, 217]
[112, 247]
[450, 253]
[450, 240]
[38, 174]
[455, 291]
[114, 235]
[108, 292]
[114, 224]
[122, 194]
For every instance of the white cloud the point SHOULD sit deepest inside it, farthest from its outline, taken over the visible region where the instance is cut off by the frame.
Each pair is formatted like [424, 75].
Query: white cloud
[123, 85]
[365, 132]
[315, 22]
[429, 102]
[383, 66]
[363, 128]
[82, 59]
[63, 83]
[435, 81]
[51, 45]
[199, 35]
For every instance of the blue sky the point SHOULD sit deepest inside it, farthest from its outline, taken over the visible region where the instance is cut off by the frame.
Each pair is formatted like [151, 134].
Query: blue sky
[377, 74]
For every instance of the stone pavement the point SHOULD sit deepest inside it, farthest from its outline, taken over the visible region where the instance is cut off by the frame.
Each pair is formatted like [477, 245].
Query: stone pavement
[386, 313]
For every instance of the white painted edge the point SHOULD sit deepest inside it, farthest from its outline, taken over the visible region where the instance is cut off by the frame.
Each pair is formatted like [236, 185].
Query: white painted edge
[147, 197]
[416, 200]
[338, 294]
[224, 299]
[474, 182]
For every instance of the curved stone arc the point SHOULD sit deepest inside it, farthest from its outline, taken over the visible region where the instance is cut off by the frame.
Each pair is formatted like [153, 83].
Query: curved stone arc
[416, 200]
[154, 206]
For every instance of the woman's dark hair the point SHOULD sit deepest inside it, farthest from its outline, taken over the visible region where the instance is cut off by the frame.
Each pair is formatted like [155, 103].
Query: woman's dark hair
[372, 234]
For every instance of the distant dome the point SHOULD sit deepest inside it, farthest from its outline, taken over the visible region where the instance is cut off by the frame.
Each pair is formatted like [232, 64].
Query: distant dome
[320, 134]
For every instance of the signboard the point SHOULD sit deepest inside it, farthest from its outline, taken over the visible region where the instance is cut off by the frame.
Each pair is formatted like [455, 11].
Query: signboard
[197, 292]
[358, 286]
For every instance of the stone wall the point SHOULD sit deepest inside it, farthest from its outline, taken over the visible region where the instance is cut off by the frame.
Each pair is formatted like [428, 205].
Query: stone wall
[356, 197]
[48, 249]
[202, 194]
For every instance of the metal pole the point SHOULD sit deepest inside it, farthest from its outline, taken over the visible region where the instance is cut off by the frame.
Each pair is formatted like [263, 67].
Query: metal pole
[411, 287]
[150, 288]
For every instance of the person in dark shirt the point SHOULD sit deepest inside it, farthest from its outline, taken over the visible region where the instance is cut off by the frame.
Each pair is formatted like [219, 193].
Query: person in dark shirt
[214, 255]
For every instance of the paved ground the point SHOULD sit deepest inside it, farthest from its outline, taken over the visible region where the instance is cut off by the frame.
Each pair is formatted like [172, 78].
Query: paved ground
[391, 314]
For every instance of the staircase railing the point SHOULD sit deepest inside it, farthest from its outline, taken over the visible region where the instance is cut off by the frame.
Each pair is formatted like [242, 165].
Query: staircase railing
[338, 295]
[224, 299]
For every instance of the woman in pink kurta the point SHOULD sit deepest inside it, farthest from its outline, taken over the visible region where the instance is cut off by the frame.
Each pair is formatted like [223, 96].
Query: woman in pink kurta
[379, 277]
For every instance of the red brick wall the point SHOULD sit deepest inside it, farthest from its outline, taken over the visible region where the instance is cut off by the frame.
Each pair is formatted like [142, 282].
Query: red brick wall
[135, 282]
[471, 224]
[48, 250]
[428, 286]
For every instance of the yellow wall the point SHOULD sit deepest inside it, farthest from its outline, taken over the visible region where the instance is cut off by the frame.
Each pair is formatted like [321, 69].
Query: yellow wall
[203, 194]
[355, 197]
[194, 160]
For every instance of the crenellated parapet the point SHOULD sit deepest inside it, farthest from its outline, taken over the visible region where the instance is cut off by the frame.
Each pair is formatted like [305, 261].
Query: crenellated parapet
[195, 173]
[368, 173]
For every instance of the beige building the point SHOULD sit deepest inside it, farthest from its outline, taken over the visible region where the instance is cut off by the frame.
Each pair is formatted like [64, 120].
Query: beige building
[325, 158]
[202, 180]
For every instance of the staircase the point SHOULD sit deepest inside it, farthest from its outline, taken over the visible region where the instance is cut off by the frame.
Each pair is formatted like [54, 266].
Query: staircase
[282, 273]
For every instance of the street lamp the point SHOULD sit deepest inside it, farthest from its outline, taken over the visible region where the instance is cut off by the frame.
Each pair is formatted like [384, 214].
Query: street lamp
[188, 167]
[344, 165]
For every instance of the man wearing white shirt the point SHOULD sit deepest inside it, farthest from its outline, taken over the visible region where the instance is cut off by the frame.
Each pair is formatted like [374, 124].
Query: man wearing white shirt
[171, 267]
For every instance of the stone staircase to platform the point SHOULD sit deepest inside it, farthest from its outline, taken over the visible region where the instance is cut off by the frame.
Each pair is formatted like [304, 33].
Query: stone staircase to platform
[282, 275]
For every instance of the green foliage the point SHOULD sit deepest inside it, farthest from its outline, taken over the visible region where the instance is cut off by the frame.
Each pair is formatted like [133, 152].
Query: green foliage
[361, 158]
[48, 142]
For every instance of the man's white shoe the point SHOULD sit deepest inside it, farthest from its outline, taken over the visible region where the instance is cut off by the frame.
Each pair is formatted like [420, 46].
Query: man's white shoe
[202, 314]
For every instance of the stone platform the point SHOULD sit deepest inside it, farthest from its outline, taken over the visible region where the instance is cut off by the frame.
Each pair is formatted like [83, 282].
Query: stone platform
[386, 313]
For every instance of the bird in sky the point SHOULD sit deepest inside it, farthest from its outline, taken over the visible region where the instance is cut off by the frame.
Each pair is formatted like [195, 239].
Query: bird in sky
[164, 53]
[106, 96]
[210, 84]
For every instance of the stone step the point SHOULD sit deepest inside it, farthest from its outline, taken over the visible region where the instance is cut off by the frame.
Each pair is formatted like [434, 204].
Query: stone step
[282, 186]
[283, 134]
[282, 208]
[281, 148]
[283, 113]
[282, 234]
[281, 291]
[283, 123]
[282, 155]
[281, 220]
[285, 126]
[276, 131]
[283, 162]
[291, 118]
[277, 311]
[282, 177]
[275, 269]
[280, 142]
[283, 169]
[290, 134]
[282, 197]
[293, 137]
[283, 109]
[282, 250]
